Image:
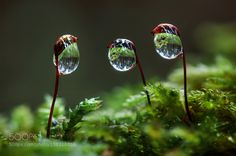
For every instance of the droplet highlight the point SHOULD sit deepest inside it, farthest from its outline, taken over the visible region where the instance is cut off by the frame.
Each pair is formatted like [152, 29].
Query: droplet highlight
[167, 41]
[68, 54]
[121, 54]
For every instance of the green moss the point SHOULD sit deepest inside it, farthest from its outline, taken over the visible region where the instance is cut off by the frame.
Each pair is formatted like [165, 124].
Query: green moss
[76, 116]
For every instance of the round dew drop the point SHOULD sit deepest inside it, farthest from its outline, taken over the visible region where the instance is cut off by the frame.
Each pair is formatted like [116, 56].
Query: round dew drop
[68, 54]
[121, 54]
[167, 41]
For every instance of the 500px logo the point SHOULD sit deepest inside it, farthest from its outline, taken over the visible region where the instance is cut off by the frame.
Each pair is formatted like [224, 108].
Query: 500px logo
[23, 136]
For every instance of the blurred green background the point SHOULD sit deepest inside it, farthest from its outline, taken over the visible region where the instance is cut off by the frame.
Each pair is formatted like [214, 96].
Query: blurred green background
[29, 29]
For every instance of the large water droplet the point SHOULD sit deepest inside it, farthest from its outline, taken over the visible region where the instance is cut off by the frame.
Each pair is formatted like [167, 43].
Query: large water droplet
[121, 54]
[68, 54]
[167, 41]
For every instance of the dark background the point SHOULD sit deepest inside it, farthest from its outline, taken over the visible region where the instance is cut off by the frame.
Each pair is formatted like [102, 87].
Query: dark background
[28, 30]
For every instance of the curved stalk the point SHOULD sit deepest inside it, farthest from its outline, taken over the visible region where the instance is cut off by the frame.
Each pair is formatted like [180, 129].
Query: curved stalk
[54, 98]
[143, 77]
[185, 88]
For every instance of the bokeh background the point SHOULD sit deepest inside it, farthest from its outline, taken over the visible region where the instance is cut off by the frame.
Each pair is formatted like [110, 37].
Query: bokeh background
[29, 28]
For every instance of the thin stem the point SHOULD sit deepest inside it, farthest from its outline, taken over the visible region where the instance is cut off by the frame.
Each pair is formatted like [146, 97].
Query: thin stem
[185, 88]
[143, 77]
[54, 97]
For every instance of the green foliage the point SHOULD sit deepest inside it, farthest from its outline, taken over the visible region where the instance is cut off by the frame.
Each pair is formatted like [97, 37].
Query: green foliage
[76, 116]
[127, 125]
[162, 128]
[42, 115]
[21, 119]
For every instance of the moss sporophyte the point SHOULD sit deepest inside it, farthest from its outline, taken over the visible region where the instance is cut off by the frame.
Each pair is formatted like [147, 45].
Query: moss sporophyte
[66, 60]
[169, 46]
[122, 56]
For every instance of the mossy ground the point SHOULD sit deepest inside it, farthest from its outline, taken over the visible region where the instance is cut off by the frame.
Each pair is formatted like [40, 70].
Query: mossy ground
[124, 124]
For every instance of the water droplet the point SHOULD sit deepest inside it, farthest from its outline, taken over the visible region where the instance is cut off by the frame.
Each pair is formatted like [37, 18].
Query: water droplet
[68, 54]
[167, 41]
[121, 54]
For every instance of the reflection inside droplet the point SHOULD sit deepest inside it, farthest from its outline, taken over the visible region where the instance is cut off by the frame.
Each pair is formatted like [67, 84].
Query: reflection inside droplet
[121, 55]
[167, 41]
